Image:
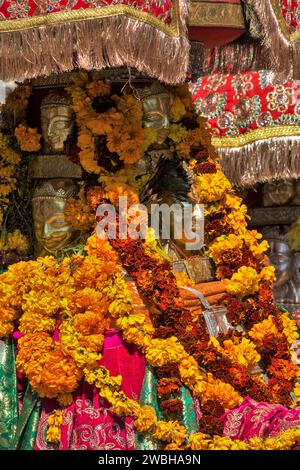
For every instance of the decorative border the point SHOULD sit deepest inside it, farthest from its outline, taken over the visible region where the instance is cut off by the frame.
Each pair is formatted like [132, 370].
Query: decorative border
[204, 13]
[255, 135]
[292, 37]
[95, 13]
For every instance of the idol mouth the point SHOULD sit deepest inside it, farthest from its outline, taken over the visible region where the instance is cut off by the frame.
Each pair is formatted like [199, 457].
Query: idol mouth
[52, 244]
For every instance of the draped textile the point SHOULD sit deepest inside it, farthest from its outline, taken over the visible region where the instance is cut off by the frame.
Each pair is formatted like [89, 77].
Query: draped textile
[253, 419]
[89, 423]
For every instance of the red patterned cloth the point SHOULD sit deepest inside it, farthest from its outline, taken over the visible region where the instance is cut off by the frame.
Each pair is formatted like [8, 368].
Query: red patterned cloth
[291, 13]
[238, 104]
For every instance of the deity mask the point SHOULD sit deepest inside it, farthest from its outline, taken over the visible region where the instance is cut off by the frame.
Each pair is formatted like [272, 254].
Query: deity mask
[278, 193]
[156, 105]
[281, 258]
[296, 270]
[57, 120]
[52, 232]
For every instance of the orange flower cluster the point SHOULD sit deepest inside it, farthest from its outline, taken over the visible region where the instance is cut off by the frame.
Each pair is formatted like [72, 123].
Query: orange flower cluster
[28, 138]
[121, 124]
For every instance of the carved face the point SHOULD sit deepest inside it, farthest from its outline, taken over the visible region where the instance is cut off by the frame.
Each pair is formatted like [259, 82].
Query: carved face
[279, 193]
[296, 270]
[281, 258]
[57, 124]
[157, 114]
[52, 232]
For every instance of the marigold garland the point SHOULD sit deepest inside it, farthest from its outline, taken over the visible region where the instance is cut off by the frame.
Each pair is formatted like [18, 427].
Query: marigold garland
[79, 295]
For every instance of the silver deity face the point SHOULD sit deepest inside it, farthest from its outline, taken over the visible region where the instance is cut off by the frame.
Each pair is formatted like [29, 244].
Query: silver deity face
[52, 232]
[296, 270]
[282, 259]
[57, 120]
[278, 193]
[157, 114]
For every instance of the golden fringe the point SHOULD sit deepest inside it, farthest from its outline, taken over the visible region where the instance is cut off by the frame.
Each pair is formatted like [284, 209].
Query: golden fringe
[262, 161]
[95, 44]
[284, 53]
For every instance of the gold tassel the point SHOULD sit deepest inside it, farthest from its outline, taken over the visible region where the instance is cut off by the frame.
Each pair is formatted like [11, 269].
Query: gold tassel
[261, 161]
[95, 44]
[284, 53]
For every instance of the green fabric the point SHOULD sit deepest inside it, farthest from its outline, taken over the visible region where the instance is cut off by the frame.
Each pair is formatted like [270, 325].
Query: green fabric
[28, 421]
[144, 441]
[17, 431]
[8, 394]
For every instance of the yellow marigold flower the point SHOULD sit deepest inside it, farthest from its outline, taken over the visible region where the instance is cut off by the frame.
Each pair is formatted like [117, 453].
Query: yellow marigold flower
[260, 330]
[199, 441]
[243, 353]
[296, 392]
[134, 319]
[189, 371]
[213, 389]
[15, 241]
[244, 282]
[65, 399]
[268, 274]
[56, 418]
[223, 244]
[177, 109]
[237, 219]
[212, 187]
[290, 328]
[53, 435]
[146, 418]
[140, 337]
[164, 351]
[170, 431]
[32, 322]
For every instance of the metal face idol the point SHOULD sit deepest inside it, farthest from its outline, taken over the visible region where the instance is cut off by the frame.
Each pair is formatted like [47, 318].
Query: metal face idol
[57, 120]
[52, 232]
[156, 106]
[281, 258]
[278, 193]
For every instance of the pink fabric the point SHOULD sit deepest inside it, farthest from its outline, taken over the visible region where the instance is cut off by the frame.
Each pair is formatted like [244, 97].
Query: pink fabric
[89, 423]
[262, 419]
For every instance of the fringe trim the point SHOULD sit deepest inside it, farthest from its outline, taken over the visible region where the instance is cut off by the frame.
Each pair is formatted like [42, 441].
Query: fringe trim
[262, 161]
[284, 54]
[236, 57]
[95, 45]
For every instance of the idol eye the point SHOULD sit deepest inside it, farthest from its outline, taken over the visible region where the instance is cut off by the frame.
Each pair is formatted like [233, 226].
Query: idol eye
[60, 125]
[153, 118]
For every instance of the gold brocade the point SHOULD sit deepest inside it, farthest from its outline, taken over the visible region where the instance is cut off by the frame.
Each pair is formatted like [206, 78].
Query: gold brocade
[92, 14]
[208, 14]
[255, 135]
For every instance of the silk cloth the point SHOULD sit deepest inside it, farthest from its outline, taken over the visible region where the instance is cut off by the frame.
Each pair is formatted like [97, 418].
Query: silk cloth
[253, 419]
[18, 420]
[89, 423]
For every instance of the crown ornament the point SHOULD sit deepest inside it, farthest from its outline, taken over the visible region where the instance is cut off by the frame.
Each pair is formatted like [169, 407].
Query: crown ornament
[275, 232]
[156, 88]
[56, 98]
[47, 191]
